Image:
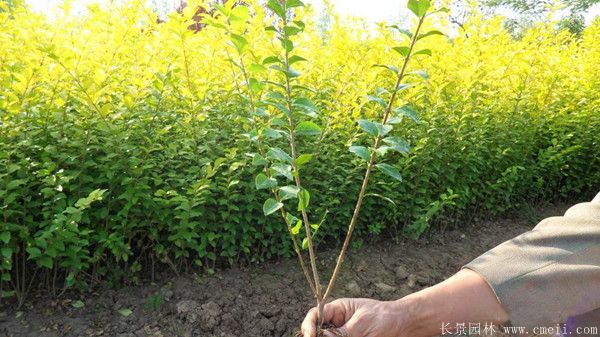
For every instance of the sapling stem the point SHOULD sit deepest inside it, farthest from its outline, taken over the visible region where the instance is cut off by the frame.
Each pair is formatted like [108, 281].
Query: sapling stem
[363, 188]
[274, 191]
[311, 252]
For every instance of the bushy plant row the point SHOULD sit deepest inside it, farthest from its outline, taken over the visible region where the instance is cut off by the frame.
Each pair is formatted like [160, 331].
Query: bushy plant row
[124, 148]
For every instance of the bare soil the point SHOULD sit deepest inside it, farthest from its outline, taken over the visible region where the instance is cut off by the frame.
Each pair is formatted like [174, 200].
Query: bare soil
[269, 299]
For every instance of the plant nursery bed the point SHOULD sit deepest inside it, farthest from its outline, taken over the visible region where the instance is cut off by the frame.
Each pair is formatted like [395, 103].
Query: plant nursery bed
[268, 299]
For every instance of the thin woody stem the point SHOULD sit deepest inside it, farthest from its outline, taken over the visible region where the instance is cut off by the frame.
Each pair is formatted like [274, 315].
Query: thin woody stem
[311, 252]
[372, 160]
[274, 191]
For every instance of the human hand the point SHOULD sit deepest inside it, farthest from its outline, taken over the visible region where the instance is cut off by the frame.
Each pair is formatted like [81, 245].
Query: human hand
[361, 317]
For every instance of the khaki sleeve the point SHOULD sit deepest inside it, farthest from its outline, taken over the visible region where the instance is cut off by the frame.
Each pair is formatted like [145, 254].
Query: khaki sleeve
[551, 273]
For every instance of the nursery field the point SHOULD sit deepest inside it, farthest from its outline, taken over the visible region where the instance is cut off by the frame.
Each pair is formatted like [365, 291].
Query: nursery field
[247, 301]
[132, 147]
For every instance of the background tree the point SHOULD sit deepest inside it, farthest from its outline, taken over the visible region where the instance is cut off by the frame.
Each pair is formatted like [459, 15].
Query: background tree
[532, 11]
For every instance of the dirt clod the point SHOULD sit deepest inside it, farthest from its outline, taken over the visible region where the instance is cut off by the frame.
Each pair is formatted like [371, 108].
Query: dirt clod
[401, 273]
[353, 289]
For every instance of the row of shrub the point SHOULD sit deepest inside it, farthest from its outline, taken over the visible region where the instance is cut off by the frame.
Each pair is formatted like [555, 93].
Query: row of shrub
[122, 148]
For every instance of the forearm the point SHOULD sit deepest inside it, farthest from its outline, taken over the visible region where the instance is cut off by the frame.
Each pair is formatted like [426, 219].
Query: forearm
[463, 298]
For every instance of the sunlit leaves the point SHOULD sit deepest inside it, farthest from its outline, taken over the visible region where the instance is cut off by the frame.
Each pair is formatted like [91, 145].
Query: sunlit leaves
[419, 7]
[388, 67]
[422, 52]
[295, 58]
[423, 74]
[276, 7]
[403, 31]
[402, 50]
[430, 33]
[293, 3]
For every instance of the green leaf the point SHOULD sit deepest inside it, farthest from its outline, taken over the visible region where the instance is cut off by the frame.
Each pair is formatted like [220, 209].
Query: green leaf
[382, 150]
[374, 129]
[289, 192]
[303, 159]
[297, 227]
[402, 50]
[293, 3]
[296, 58]
[384, 129]
[271, 206]
[361, 151]
[305, 243]
[287, 45]
[369, 127]
[258, 160]
[272, 133]
[397, 144]
[291, 218]
[256, 68]
[125, 312]
[303, 199]
[307, 128]
[78, 304]
[291, 30]
[419, 7]
[381, 197]
[278, 154]
[388, 67]
[377, 100]
[275, 95]
[276, 7]
[241, 13]
[389, 170]
[5, 237]
[407, 111]
[6, 252]
[240, 42]
[263, 182]
[306, 105]
[14, 184]
[282, 170]
[34, 252]
[271, 59]
[404, 31]
[430, 33]
[423, 52]
[45, 261]
[421, 73]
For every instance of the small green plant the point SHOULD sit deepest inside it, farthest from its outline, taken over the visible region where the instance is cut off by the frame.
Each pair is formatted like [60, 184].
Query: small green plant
[281, 113]
[154, 302]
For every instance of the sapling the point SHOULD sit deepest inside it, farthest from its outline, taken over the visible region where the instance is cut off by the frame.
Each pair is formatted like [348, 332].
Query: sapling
[283, 112]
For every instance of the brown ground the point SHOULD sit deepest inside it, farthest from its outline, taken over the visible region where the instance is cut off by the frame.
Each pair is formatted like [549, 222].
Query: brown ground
[264, 300]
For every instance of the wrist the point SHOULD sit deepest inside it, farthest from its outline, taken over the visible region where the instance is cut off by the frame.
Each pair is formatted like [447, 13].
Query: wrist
[420, 314]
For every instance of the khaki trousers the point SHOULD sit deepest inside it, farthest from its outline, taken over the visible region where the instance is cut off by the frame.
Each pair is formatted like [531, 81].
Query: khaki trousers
[551, 274]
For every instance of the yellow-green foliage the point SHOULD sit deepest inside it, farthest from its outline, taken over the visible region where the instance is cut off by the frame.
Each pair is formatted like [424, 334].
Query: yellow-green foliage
[121, 138]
